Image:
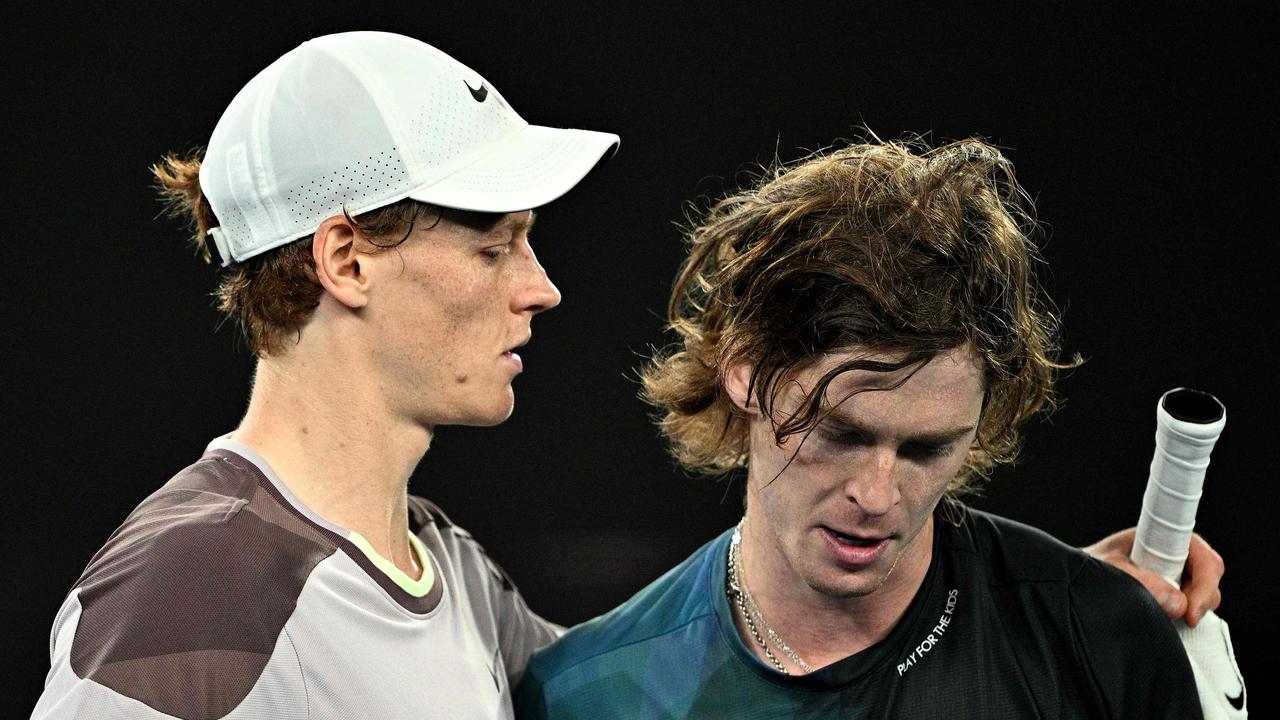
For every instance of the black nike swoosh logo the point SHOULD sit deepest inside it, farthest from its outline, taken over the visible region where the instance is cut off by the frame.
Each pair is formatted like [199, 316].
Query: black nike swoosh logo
[1237, 702]
[478, 94]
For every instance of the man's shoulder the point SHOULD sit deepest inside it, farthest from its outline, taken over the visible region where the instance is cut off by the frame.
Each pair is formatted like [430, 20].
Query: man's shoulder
[669, 604]
[1009, 551]
[214, 521]
[204, 573]
[1013, 553]
[1016, 553]
[1123, 642]
[1099, 622]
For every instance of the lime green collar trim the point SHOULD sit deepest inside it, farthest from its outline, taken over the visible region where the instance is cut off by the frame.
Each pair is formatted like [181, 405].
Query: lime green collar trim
[416, 588]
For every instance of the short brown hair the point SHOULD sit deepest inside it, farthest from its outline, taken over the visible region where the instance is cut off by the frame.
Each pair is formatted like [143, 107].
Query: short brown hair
[889, 247]
[271, 295]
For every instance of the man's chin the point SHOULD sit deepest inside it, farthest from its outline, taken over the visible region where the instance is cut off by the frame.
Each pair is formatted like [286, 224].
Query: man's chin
[841, 582]
[488, 415]
[502, 411]
[846, 590]
[492, 416]
[502, 417]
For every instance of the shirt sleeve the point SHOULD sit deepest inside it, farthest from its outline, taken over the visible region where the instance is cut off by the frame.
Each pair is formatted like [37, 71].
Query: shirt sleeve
[510, 630]
[160, 687]
[1129, 648]
[520, 630]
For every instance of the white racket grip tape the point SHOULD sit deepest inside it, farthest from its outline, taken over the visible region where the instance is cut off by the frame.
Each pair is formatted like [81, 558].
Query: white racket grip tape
[1188, 423]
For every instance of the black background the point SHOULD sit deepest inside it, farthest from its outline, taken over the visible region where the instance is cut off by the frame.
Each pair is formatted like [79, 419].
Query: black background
[1143, 137]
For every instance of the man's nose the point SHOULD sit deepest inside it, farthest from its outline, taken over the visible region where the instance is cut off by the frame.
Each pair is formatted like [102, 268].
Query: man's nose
[873, 484]
[539, 293]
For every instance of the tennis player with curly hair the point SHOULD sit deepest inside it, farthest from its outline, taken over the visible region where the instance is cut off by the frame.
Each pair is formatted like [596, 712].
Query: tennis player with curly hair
[863, 334]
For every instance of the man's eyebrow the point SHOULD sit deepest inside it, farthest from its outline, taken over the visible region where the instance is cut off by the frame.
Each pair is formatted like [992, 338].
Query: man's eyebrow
[941, 437]
[504, 224]
[523, 224]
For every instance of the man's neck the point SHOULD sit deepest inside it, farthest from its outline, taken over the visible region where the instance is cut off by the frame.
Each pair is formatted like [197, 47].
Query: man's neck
[820, 628]
[340, 452]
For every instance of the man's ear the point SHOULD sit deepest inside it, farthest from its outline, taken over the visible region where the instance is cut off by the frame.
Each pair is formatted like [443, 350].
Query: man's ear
[737, 383]
[334, 249]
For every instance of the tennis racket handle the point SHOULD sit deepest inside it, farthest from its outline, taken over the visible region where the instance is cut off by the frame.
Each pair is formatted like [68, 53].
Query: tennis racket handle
[1188, 423]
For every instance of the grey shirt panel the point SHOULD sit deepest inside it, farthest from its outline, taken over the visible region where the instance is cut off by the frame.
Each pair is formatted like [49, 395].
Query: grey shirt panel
[220, 597]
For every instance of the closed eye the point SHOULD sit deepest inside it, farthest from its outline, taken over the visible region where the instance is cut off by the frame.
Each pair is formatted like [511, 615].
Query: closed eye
[496, 251]
[924, 451]
[843, 435]
[910, 450]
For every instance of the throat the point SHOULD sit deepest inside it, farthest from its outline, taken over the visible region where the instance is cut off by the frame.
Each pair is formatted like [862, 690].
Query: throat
[764, 641]
[795, 628]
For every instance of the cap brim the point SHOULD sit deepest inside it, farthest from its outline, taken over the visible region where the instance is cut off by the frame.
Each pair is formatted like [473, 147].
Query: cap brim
[527, 170]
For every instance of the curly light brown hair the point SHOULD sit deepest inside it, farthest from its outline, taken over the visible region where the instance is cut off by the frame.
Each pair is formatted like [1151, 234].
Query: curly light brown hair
[272, 295]
[883, 247]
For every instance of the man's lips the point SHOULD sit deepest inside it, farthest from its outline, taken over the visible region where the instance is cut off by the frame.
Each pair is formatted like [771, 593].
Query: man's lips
[852, 550]
[514, 360]
[511, 357]
[856, 538]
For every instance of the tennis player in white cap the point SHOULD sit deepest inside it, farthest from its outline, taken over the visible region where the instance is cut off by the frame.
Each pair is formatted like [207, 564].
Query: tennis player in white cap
[370, 197]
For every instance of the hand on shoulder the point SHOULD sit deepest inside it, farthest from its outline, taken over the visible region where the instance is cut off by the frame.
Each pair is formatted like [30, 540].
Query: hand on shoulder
[1200, 590]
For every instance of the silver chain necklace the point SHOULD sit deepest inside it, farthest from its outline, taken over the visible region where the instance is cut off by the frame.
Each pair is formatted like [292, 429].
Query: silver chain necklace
[736, 588]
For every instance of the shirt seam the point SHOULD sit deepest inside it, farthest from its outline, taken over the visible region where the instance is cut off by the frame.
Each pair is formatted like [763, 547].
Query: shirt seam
[302, 675]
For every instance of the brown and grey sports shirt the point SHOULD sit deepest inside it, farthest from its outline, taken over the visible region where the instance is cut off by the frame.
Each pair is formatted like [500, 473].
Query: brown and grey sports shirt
[222, 596]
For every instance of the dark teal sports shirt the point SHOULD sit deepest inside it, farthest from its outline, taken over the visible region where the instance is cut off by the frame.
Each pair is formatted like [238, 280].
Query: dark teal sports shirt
[1008, 623]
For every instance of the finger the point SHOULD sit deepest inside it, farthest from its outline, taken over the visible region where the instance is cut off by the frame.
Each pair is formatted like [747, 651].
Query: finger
[1203, 559]
[1174, 604]
[1124, 540]
[1196, 613]
[1203, 600]
[1171, 599]
[1202, 578]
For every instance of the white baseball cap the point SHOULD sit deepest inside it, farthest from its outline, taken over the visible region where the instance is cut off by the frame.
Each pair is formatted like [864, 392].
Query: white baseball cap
[359, 120]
